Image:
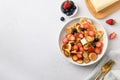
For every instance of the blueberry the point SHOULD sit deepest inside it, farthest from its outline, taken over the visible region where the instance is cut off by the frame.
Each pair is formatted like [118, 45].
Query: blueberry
[64, 11]
[68, 13]
[72, 3]
[71, 10]
[93, 45]
[96, 39]
[74, 30]
[67, 10]
[74, 7]
[82, 29]
[72, 44]
[62, 18]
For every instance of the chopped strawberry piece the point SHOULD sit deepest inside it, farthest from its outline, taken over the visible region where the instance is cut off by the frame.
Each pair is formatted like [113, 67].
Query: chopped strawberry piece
[90, 49]
[81, 49]
[98, 50]
[66, 5]
[112, 35]
[79, 55]
[72, 37]
[86, 25]
[79, 45]
[91, 33]
[99, 44]
[80, 35]
[75, 47]
[110, 21]
[65, 40]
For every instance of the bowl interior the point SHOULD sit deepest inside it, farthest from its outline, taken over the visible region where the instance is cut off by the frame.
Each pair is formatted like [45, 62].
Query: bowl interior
[98, 26]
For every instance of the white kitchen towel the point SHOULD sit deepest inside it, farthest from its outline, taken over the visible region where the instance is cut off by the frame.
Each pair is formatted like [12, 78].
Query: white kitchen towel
[114, 73]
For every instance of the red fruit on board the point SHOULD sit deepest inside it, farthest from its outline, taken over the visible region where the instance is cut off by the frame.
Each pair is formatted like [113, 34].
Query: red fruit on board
[112, 35]
[110, 21]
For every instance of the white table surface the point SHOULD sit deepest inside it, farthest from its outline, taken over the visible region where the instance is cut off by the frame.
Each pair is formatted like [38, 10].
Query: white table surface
[29, 31]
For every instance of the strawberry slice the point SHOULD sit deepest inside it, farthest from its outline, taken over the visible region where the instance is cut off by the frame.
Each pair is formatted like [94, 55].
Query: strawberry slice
[75, 47]
[66, 5]
[79, 45]
[112, 35]
[90, 49]
[98, 50]
[110, 21]
[81, 49]
[80, 35]
[72, 38]
[91, 33]
[99, 44]
[86, 25]
[65, 40]
[79, 55]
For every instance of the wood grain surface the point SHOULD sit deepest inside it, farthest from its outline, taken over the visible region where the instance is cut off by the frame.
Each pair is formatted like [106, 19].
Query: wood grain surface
[103, 13]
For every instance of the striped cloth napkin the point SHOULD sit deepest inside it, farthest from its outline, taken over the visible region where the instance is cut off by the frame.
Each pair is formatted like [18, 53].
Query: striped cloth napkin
[114, 73]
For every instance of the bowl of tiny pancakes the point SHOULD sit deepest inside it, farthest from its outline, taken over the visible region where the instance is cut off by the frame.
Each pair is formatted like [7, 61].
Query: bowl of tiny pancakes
[83, 41]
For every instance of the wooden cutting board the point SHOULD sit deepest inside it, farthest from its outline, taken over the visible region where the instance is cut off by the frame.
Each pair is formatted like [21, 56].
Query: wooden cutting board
[103, 13]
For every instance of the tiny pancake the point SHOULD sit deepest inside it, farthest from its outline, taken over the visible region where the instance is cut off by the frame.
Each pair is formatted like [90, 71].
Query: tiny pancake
[92, 56]
[74, 57]
[80, 61]
[66, 53]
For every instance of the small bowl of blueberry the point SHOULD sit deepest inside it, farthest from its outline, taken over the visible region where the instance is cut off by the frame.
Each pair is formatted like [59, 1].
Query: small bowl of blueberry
[69, 8]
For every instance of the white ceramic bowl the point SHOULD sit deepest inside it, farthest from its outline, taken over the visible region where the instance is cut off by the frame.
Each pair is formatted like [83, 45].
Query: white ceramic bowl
[98, 26]
[73, 13]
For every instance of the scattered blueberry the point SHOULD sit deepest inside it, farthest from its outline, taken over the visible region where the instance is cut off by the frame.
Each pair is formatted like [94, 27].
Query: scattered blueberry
[82, 29]
[96, 39]
[62, 18]
[74, 30]
[93, 45]
[72, 44]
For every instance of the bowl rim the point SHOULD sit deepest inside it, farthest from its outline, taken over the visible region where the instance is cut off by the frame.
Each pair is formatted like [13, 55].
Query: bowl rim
[77, 8]
[103, 51]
